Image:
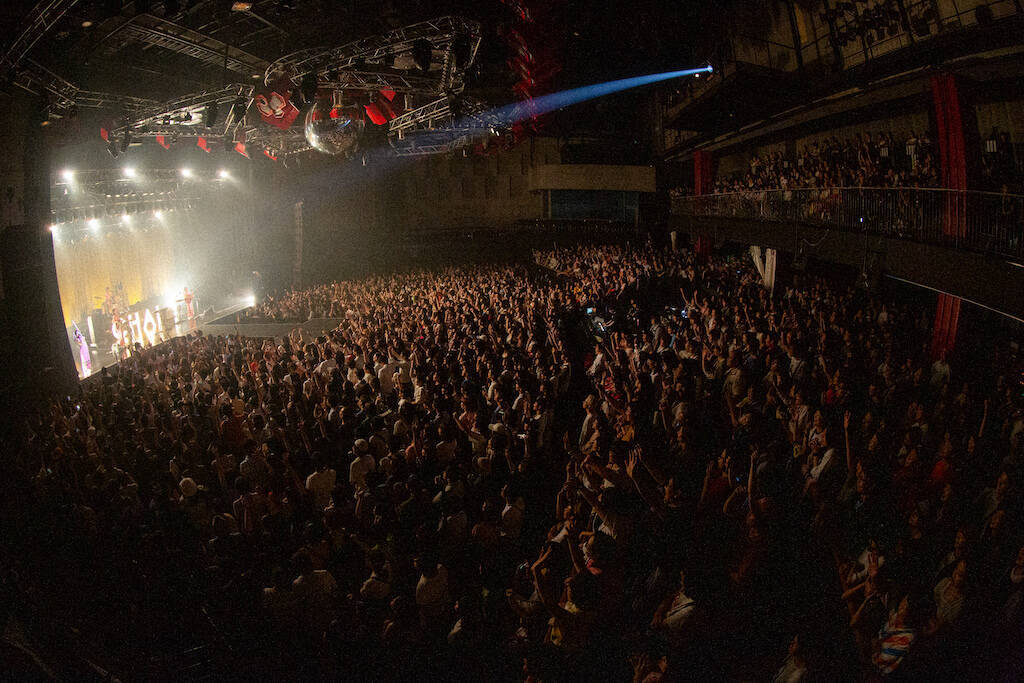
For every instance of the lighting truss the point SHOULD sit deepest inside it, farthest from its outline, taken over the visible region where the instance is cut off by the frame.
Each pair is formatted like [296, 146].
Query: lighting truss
[151, 30]
[280, 143]
[40, 20]
[380, 80]
[184, 116]
[63, 95]
[100, 100]
[434, 128]
[107, 192]
[39, 80]
[441, 33]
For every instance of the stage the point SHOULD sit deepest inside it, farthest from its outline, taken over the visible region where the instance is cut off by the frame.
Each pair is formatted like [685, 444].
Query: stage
[223, 323]
[209, 322]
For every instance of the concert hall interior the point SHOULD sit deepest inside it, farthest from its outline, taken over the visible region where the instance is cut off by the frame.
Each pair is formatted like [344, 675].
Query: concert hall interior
[512, 340]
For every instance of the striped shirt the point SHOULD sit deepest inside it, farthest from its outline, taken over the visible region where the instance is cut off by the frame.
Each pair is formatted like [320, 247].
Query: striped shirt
[894, 643]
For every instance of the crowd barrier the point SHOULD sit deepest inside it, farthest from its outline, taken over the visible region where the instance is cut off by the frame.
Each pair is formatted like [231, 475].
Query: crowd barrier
[985, 222]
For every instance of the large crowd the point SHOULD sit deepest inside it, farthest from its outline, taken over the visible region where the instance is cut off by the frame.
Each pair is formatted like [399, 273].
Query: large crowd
[615, 463]
[886, 159]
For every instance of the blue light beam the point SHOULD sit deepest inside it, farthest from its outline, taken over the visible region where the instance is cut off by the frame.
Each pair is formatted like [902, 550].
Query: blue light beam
[520, 111]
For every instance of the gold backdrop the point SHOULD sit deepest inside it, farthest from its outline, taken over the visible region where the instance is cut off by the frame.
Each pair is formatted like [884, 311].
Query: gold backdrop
[143, 261]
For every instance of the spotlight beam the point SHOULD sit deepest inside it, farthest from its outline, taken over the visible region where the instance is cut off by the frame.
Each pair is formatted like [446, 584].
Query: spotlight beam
[544, 104]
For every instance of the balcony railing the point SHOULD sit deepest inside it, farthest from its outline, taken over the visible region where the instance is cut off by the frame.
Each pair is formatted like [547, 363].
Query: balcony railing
[985, 222]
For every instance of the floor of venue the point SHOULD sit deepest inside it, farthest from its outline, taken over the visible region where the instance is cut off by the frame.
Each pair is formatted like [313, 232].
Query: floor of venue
[610, 462]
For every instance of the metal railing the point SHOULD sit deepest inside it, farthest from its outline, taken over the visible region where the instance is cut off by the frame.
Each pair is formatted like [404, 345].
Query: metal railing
[986, 222]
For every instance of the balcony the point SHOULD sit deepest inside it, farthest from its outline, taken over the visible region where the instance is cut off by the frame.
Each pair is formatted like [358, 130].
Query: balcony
[982, 222]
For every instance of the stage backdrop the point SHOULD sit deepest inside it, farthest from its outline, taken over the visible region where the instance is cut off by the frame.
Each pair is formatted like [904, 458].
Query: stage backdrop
[143, 261]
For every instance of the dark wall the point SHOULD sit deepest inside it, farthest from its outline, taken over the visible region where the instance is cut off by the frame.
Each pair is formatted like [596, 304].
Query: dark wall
[36, 352]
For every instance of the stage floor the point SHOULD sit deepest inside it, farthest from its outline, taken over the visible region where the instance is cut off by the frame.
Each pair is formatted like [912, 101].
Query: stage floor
[102, 358]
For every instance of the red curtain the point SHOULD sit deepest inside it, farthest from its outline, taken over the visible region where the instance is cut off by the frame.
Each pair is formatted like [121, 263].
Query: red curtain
[702, 175]
[947, 315]
[702, 172]
[953, 167]
[952, 156]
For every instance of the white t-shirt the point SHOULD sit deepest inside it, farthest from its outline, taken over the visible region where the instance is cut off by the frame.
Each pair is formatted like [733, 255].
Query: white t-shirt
[320, 485]
[432, 594]
[316, 588]
[359, 468]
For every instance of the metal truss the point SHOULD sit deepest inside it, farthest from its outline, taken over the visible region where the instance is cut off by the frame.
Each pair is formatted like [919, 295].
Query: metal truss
[472, 115]
[39, 80]
[40, 20]
[64, 95]
[167, 35]
[441, 33]
[380, 80]
[184, 116]
[280, 143]
[435, 128]
[107, 192]
[100, 100]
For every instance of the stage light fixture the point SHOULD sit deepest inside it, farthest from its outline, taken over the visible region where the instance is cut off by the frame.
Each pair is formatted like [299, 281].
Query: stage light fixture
[126, 219]
[67, 175]
[422, 54]
[158, 214]
[210, 115]
[129, 172]
[309, 87]
[53, 228]
[223, 174]
[239, 107]
[186, 173]
[241, 7]
[462, 50]
[94, 224]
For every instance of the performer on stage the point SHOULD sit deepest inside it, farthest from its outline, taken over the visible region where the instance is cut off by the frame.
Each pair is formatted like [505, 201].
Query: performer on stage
[188, 304]
[122, 340]
[83, 351]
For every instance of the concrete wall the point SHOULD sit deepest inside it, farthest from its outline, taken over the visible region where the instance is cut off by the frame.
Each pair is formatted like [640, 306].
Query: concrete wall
[592, 177]
[1006, 116]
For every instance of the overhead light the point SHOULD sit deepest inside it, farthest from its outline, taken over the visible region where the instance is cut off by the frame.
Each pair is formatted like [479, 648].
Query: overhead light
[186, 173]
[53, 228]
[86, 23]
[67, 175]
[223, 174]
[125, 218]
[241, 7]
[129, 172]
[210, 115]
[422, 54]
[158, 214]
[94, 223]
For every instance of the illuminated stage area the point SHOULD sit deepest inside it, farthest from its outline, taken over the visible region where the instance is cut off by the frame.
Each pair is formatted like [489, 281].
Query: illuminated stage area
[132, 248]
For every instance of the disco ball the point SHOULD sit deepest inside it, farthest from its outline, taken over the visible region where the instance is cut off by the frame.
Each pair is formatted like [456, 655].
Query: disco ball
[331, 130]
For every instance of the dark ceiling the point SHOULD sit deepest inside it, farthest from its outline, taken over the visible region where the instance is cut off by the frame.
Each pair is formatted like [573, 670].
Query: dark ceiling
[135, 48]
